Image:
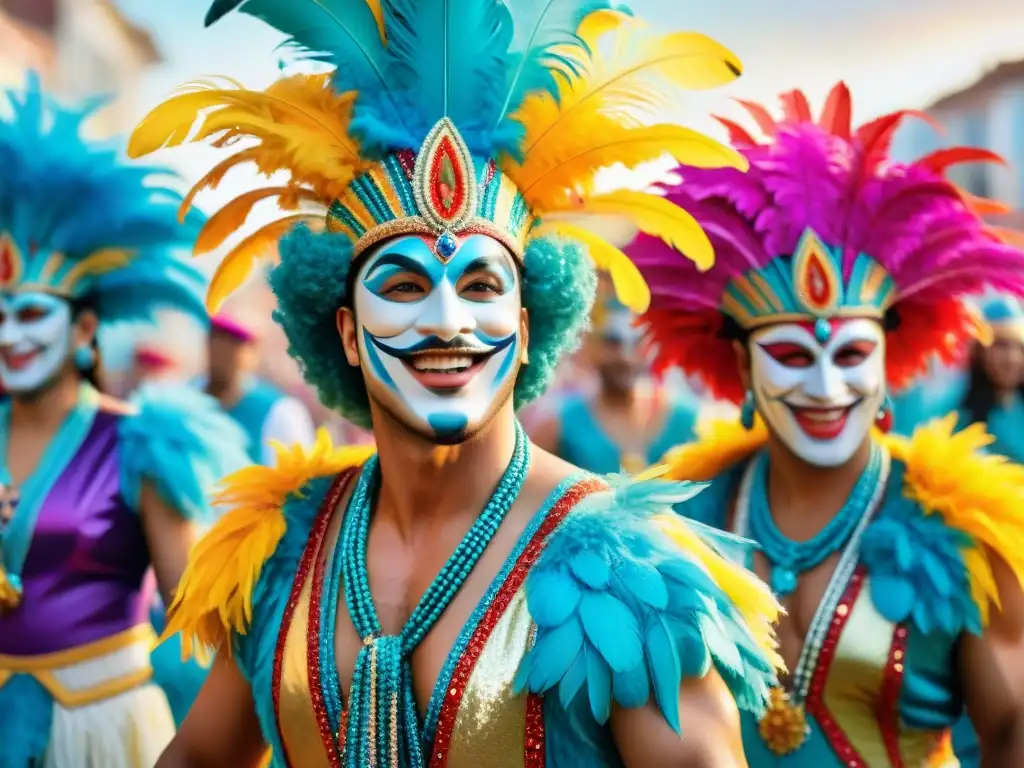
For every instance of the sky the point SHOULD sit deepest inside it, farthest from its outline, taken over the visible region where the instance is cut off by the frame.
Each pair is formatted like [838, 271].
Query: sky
[892, 53]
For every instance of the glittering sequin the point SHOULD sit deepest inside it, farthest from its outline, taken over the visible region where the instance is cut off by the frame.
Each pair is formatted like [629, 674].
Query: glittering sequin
[316, 535]
[815, 704]
[464, 668]
[889, 697]
[533, 754]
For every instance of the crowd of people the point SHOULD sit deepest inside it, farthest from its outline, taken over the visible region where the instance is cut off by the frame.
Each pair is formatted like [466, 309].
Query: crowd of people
[747, 489]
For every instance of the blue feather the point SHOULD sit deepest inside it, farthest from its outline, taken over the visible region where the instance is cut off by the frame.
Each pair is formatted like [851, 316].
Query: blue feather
[612, 629]
[181, 441]
[446, 56]
[562, 598]
[343, 33]
[26, 723]
[650, 615]
[599, 685]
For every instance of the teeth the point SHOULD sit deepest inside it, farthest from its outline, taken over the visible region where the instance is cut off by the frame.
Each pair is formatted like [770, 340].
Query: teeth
[829, 415]
[441, 363]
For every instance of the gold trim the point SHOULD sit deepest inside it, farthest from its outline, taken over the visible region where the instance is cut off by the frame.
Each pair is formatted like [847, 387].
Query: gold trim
[869, 313]
[410, 225]
[80, 653]
[43, 667]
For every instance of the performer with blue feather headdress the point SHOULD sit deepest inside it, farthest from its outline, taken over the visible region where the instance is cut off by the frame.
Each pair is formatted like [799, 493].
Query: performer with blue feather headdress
[93, 492]
[460, 597]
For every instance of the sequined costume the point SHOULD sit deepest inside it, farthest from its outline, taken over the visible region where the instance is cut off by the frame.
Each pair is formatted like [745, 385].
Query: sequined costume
[493, 119]
[75, 580]
[823, 231]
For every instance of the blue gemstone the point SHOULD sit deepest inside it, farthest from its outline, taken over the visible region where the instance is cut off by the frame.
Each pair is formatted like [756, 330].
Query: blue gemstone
[822, 330]
[446, 245]
[783, 581]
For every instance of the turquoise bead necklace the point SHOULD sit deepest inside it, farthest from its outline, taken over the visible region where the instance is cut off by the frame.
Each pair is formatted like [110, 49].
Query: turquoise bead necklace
[383, 721]
[790, 558]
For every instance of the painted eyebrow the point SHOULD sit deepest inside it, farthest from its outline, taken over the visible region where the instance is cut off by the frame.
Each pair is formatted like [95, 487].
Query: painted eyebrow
[489, 262]
[401, 261]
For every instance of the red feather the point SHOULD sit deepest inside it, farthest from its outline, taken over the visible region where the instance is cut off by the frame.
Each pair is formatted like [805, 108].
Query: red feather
[876, 136]
[942, 159]
[761, 116]
[738, 135]
[795, 107]
[835, 117]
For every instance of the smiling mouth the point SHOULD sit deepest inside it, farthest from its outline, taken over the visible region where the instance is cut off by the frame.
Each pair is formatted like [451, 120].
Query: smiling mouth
[448, 370]
[18, 361]
[822, 423]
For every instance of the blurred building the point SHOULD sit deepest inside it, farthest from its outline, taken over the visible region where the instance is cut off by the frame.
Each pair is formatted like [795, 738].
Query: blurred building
[989, 113]
[79, 48]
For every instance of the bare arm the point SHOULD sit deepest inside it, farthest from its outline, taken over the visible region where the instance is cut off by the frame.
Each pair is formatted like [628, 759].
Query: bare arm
[710, 730]
[170, 538]
[992, 667]
[221, 728]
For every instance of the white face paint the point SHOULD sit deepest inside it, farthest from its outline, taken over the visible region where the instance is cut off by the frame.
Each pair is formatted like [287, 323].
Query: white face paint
[821, 399]
[35, 340]
[439, 344]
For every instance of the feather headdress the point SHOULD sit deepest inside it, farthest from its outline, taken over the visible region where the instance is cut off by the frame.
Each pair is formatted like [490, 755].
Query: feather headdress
[77, 221]
[450, 118]
[825, 224]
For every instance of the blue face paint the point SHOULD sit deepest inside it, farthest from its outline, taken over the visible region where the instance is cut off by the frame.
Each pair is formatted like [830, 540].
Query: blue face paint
[439, 342]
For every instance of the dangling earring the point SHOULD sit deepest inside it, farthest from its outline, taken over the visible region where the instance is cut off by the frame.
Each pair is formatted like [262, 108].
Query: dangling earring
[85, 358]
[747, 411]
[885, 415]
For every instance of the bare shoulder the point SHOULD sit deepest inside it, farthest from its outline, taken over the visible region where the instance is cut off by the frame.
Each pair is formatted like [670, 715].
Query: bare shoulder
[115, 406]
[548, 471]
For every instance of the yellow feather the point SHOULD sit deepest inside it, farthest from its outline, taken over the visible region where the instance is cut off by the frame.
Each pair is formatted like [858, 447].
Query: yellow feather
[658, 217]
[720, 445]
[979, 494]
[752, 598]
[299, 122]
[232, 216]
[215, 176]
[243, 258]
[214, 597]
[629, 284]
[378, 16]
[632, 78]
[96, 263]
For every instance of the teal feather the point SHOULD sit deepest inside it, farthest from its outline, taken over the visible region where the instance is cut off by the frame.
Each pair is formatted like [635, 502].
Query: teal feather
[446, 56]
[564, 594]
[181, 441]
[651, 616]
[916, 567]
[25, 726]
[343, 33]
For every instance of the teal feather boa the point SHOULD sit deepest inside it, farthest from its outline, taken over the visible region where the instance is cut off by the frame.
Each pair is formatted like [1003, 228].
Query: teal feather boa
[27, 715]
[180, 440]
[625, 616]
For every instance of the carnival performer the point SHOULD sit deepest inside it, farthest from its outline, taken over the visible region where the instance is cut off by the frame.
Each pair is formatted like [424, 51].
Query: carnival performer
[94, 491]
[839, 273]
[460, 598]
[631, 420]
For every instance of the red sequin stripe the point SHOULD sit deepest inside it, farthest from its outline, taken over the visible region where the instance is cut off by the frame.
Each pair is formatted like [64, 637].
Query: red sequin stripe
[815, 704]
[320, 524]
[534, 740]
[488, 174]
[407, 159]
[889, 697]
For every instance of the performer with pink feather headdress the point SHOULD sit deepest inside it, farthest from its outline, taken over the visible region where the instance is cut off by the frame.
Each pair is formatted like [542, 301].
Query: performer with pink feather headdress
[839, 274]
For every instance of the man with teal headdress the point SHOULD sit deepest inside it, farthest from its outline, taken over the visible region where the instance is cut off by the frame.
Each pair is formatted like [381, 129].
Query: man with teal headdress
[95, 494]
[457, 597]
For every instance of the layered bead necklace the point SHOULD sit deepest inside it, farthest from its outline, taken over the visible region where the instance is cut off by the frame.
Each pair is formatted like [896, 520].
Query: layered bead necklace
[790, 558]
[383, 727]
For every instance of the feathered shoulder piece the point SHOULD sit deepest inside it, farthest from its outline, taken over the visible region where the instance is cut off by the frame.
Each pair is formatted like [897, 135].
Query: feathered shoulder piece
[182, 442]
[951, 508]
[214, 598]
[629, 600]
[454, 117]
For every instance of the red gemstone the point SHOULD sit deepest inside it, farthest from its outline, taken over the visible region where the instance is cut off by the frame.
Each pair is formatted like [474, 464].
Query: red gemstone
[884, 420]
[6, 261]
[815, 280]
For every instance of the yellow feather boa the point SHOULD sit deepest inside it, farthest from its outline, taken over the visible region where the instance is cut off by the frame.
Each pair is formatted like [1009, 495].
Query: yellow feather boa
[947, 473]
[214, 597]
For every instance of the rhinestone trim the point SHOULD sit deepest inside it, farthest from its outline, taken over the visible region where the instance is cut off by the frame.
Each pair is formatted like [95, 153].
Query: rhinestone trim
[889, 697]
[815, 704]
[464, 668]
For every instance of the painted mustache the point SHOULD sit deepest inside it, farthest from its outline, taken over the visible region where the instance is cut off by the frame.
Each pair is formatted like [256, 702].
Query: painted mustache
[432, 345]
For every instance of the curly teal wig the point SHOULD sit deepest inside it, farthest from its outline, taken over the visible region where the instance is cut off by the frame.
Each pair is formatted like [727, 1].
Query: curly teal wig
[312, 280]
